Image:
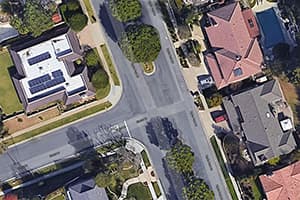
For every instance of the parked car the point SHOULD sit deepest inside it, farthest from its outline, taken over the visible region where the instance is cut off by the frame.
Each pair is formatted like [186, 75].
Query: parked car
[205, 81]
[220, 118]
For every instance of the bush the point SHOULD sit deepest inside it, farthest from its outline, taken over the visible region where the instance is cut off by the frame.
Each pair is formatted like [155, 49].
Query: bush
[140, 43]
[91, 59]
[125, 10]
[214, 100]
[78, 21]
[100, 79]
[73, 5]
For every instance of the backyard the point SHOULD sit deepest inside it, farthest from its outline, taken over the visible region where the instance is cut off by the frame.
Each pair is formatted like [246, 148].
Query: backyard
[9, 100]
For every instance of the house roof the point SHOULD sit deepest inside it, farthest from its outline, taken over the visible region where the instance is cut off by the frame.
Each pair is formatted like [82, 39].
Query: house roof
[86, 190]
[236, 54]
[283, 184]
[250, 112]
[41, 62]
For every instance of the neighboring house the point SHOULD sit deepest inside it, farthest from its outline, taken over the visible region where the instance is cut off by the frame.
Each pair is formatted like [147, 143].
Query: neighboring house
[264, 121]
[235, 54]
[282, 184]
[86, 190]
[46, 71]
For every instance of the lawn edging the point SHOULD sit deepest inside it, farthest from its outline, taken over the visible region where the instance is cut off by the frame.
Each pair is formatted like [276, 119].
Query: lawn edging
[57, 124]
[111, 66]
[223, 168]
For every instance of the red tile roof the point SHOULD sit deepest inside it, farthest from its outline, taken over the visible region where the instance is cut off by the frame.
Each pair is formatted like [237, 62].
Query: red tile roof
[236, 52]
[283, 184]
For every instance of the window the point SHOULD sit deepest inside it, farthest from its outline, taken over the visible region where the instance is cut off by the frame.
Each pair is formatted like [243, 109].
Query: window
[250, 22]
[237, 72]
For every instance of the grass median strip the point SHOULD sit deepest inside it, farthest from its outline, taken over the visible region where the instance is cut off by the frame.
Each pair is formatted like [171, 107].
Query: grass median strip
[57, 123]
[223, 168]
[110, 64]
[89, 10]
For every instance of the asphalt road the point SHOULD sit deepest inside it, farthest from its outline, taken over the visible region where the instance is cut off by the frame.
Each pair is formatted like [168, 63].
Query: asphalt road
[156, 108]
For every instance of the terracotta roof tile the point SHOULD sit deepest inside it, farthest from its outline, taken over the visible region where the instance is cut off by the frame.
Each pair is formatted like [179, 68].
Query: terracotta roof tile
[287, 178]
[235, 47]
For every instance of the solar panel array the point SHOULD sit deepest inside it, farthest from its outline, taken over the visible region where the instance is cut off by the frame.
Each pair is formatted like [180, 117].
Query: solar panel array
[57, 73]
[39, 80]
[39, 58]
[43, 82]
[64, 52]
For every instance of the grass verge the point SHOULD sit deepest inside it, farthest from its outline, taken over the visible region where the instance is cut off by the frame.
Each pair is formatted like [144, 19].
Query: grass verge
[156, 189]
[110, 64]
[223, 168]
[145, 158]
[139, 191]
[90, 10]
[57, 123]
[251, 181]
[9, 100]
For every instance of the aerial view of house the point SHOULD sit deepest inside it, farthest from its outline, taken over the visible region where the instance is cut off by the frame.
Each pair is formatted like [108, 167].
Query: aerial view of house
[235, 53]
[47, 71]
[263, 119]
[283, 183]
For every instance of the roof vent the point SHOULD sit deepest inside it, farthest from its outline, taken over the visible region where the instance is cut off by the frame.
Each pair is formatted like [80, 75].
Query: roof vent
[238, 58]
[268, 115]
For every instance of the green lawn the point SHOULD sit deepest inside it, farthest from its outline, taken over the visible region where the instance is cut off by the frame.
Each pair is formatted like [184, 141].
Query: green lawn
[90, 11]
[139, 192]
[57, 124]
[145, 158]
[9, 100]
[156, 189]
[223, 168]
[110, 64]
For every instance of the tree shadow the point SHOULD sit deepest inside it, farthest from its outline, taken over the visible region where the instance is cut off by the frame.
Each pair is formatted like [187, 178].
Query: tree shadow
[161, 132]
[107, 23]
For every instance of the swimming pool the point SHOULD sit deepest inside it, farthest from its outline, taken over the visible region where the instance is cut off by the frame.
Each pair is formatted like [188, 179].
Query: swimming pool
[270, 27]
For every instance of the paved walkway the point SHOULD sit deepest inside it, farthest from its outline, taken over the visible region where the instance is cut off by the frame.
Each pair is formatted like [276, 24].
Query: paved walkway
[262, 5]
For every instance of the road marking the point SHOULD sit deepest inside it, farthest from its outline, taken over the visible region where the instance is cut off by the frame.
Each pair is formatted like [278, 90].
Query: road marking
[127, 129]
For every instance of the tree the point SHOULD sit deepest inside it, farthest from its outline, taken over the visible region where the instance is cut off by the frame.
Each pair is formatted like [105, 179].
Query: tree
[197, 189]
[125, 10]
[281, 51]
[100, 79]
[91, 59]
[35, 19]
[181, 158]
[78, 21]
[140, 43]
[295, 78]
[214, 100]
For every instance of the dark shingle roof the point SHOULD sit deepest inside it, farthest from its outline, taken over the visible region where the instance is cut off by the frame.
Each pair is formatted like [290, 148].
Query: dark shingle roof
[224, 12]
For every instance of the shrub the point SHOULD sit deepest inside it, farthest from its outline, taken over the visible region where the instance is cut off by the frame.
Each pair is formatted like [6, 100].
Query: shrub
[91, 59]
[78, 21]
[100, 79]
[214, 100]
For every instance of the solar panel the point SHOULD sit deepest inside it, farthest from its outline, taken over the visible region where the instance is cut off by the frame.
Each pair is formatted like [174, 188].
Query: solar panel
[57, 73]
[39, 58]
[64, 52]
[39, 80]
[37, 88]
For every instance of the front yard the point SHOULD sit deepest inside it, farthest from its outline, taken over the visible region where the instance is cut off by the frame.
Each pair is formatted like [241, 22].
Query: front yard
[139, 191]
[9, 100]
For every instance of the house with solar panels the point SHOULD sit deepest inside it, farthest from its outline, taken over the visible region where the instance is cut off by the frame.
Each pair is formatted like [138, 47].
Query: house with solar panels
[46, 71]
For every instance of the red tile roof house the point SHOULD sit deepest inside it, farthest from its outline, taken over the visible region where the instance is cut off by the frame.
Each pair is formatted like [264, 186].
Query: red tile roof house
[235, 54]
[283, 184]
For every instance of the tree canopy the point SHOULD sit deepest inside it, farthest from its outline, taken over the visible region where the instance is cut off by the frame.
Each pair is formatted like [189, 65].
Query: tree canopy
[125, 10]
[140, 43]
[35, 19]
[197, 189]
[100, 79]
[181, 158]
[73, 15]
[91, 59]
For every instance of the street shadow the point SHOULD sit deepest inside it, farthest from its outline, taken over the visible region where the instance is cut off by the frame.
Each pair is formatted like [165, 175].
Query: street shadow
[161, 132]
[107, 23]
[80, 140]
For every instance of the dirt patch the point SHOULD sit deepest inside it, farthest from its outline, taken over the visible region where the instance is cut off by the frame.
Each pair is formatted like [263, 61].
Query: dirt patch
[22, 121]
[291, 96]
